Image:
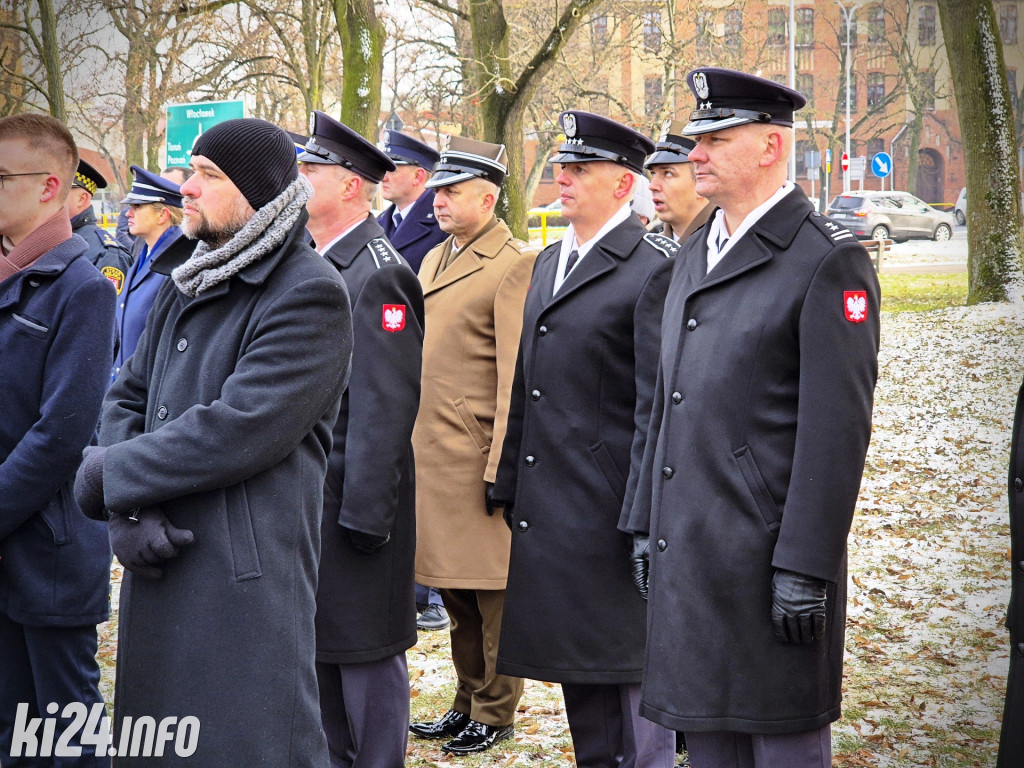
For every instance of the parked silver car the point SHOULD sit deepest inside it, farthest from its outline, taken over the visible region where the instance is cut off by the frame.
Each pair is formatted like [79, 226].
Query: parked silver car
[960, 209]
[896, 215]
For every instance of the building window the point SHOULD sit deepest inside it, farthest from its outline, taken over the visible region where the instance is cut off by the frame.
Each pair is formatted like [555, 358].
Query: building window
[875, 146]
[733, 27]
[776, 27]
[926, 25]
[704, 29]
[842, 30]
[926, 82]
[600, 30]
[652, 30]
[547, 173]
[876, 25]
[853, 92]
[781, 79]
[876, 88]
[803, 146]
[805, 26]
[805, 84]
[652, 96]
[1008, 23]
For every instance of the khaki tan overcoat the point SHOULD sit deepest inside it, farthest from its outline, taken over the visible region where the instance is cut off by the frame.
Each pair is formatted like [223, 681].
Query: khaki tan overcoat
[474, 316]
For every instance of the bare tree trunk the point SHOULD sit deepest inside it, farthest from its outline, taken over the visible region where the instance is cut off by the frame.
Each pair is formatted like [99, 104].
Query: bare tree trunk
[51, 60]
[916, 126]
[362, 44]
[994, 233]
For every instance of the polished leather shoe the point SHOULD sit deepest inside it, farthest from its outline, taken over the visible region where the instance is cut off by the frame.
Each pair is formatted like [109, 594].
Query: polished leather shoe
[449, 726]
[433, 617]
[477, 737]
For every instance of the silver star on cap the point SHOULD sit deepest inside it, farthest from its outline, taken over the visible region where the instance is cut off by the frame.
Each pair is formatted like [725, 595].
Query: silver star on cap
[569, 123]
[700, 85]
[705, 105]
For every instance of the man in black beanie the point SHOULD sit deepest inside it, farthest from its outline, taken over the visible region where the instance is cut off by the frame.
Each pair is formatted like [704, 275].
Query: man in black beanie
[211, 463]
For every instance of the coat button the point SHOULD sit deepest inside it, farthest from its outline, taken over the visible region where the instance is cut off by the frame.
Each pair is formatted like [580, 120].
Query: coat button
[1020, 566]
[535, 395]
[34, 283]
[677, 397]
[182, 344]
[523, 525]
[530, 461]
[667, 472]
[1018, 484]
[542, 330]
[662, 545]
[161, 412]
[122, 305]
[1020, 648]
[691, 324]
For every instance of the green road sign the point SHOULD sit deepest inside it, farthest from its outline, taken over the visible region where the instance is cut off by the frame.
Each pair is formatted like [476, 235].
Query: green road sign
[186, 121]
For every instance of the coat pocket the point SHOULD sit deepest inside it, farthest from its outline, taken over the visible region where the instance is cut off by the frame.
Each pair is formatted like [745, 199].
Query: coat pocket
[609, 468]
[472, 425]
[755, 483]
[244, 555]
[55, 515]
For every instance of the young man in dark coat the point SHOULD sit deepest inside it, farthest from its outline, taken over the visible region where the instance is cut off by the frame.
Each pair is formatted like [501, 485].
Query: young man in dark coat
[583, 386]
[365, 618]
[56, 341]
[409, 221]
[1011, 742]
[105, 252]
[680, 209]
[756, 447]
[214, 442]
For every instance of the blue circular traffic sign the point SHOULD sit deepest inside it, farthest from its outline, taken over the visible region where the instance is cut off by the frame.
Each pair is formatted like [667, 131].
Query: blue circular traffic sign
[881, 165]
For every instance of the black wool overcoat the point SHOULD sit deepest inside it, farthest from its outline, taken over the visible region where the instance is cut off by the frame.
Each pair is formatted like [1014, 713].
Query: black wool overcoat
[366, 606]
[754, 460]
[583, 386]
[223, 418]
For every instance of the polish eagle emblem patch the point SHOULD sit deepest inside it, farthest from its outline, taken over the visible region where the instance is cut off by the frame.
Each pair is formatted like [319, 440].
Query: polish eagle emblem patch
[855, 304]
[393, 317]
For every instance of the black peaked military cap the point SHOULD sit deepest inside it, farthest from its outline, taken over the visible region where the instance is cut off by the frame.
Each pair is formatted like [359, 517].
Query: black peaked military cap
[591, 137]
[671, 146]
[726, 98]
[150, 188]
[299, 141]
[405, 150]
[88, 178]
[334, 142]
[464, 159]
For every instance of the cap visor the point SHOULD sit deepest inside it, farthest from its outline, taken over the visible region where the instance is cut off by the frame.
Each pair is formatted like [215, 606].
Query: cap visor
[698, 127]
[665, 157]
[133, 199]
[444, 178]
[308, 157]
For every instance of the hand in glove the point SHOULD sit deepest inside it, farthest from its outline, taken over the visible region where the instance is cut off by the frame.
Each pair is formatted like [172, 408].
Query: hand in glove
[145, 539]
[89, 483]
[490, 503]
[640, 562]
[367, 543]
[798, 607]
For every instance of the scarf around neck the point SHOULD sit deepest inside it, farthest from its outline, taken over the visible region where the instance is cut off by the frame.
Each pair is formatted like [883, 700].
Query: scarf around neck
[267, 229]
[44, 238]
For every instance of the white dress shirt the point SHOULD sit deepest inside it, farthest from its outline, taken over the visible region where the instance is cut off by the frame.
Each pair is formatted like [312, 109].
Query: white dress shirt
[569, 243]
[719, 238]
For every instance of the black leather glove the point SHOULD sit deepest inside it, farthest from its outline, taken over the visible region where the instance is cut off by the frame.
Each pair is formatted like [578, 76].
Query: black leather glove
[145, 538]
[367, 543]
[640, 562]
[490, 504]
[798, 607]
[89, 483]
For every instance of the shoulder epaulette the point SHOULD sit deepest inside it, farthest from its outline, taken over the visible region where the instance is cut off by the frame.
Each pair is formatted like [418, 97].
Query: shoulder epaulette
[834, 231]
[383, 252]
[666, 245]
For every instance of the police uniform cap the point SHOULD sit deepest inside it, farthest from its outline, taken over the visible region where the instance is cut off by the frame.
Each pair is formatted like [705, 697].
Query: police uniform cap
[590, 137]
[299, 141]
[88, 178]
[333, 142]
[463, 159]
[148, 187]
[671, 146]
[405, 150]
[726, 98]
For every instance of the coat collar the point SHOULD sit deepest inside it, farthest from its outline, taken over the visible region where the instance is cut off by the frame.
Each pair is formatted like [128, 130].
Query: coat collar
[344, 252]
[171, 254]
[471, 259]
[419, 223]
[50, 264]
[88, 216]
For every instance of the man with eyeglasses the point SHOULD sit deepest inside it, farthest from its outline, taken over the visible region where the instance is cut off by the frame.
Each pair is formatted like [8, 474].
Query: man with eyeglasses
[56, 341]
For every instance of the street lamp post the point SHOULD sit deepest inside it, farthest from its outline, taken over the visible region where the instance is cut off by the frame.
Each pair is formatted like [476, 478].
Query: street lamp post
[848, 17]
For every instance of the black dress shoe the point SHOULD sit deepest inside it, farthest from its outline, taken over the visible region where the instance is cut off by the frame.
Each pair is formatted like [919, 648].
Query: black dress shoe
[477, 737]
[433, 617]
[449, 726]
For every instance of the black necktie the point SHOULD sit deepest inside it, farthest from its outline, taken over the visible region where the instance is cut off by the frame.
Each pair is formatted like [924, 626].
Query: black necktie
[570, 262]
[397, 218]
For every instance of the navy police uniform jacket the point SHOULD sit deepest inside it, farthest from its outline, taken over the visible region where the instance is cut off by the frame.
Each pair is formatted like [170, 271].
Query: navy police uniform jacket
[108, 255]
[56, 341]
[583, 386]
[366, 608]
[753, 462]
[417, 233]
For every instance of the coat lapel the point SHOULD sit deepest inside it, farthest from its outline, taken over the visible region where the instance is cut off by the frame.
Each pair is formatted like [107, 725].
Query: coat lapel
[419, 223]
[602, 258]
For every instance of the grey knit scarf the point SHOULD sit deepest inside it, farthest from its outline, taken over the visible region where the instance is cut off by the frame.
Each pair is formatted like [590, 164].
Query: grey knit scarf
[266, 230]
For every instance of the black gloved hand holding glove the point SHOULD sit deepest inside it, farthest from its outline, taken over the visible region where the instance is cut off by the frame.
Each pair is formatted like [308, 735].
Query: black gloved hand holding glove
[640, 562]
[89, 483]
[492, 505]
[367, 543]
[798, 607]
[144, 539]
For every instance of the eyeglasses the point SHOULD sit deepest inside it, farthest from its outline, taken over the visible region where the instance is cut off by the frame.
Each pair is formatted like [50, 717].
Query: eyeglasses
[12, 175]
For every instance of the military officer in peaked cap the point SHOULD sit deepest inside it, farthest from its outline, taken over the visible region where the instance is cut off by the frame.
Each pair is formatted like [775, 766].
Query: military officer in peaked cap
[409, 221]
[753, 460]
[109, 256]
[365, 616]
[584, 381]
[680, 209]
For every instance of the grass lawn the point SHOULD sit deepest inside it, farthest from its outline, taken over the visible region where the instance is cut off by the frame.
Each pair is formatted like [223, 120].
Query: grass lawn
[920, 293]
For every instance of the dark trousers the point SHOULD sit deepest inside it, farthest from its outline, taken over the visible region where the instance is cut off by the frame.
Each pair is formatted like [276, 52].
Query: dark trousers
[728, 749]
[40, 666]
[427, 596]
[608, 732]
[481, 693]
[1011, 740]
[365, 712]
